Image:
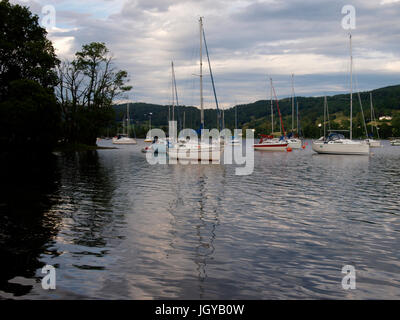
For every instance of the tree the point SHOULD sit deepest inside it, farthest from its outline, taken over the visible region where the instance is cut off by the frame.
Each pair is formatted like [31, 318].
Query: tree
[29, 119]
[28, 109]
[88, 85]
[25, 52]
[396, 125]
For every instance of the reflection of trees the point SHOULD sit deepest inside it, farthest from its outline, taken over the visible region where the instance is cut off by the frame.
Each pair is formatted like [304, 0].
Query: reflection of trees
[27, 224]
[89, 191]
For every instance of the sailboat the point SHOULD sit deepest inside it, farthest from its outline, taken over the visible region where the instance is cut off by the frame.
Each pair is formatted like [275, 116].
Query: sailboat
[123, 138]
[293, 141]
[148, 137]
[268, 142]
[187, 149]
[335, 142]
[371, 141]
[235, 140]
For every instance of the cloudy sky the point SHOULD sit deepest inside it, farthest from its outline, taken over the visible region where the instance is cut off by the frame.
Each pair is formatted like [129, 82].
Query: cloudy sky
[248, 40]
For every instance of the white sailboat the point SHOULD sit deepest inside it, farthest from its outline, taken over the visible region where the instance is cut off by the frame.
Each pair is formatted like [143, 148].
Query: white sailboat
[235, 140]
[294, 142]
[336, 143]
[186, 149]
[149, 138]
[269, 143]
[373, 143]
[123, 138]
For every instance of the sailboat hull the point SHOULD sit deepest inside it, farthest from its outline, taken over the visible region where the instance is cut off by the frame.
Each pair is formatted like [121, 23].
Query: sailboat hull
[349, 148]
[124, 141]
[294, 143]
[271, 147]
[205, 153]
[374, 143]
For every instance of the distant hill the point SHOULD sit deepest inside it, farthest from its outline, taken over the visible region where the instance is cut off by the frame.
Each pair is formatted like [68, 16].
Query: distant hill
[257, 114]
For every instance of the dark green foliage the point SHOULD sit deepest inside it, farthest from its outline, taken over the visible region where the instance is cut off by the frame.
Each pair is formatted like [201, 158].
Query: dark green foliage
[396, 125]
[25, 52]
[257, 115]
[28, 110]
[29, 118]
[87, 87]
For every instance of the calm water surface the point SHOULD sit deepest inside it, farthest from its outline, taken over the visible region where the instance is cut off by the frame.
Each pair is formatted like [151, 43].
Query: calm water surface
[116, 227]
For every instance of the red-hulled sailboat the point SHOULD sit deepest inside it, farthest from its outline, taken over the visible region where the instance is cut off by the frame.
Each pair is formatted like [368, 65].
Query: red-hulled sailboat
[268, 142]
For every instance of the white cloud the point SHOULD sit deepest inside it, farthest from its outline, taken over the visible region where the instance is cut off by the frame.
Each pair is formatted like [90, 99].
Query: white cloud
[247, 40]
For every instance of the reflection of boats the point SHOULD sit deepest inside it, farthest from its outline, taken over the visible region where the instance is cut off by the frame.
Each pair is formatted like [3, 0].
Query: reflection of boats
[123, 138]
[336, 143]
[395, 142]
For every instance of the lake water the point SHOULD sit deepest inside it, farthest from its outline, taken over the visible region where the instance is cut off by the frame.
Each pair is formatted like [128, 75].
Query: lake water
[115, 227]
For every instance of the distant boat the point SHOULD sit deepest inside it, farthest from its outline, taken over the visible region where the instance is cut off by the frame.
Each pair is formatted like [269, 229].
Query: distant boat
[234, 140]
[268, 142]
[294, 142]
[371, 141]
[189, 150]
[157, 147]
[335, 142]
[123, 138]
[395, 142]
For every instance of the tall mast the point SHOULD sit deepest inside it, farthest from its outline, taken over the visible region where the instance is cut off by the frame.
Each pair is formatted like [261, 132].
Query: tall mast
[351, 90]
[236, 122]
[292, 102]
[127, 118]
[373, 117]
[370, 99]
[281, 128]
[201, 72]
[173, 91]
[325, 112]
[272, 110]
[297, 113]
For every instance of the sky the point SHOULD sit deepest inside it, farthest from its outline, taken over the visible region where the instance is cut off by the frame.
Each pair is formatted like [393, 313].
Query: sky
[249, 41]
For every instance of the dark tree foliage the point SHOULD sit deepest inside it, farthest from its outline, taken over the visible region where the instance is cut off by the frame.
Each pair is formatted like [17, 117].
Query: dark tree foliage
[257, 115]
[25, 52]
[87, 88]
[28, 112]
[29, 118]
